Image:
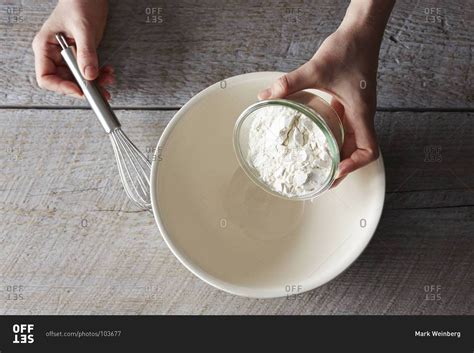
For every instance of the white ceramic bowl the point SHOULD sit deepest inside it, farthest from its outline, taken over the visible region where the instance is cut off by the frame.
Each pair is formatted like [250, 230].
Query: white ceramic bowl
[232, 234]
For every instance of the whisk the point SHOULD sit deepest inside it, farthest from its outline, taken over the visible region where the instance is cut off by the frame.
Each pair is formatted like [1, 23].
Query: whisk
[134, 168]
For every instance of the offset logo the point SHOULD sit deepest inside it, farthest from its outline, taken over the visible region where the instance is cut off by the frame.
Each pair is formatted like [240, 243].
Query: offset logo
[23, 333]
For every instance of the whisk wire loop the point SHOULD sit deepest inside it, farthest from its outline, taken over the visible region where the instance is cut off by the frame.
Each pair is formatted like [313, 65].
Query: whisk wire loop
[134, 169]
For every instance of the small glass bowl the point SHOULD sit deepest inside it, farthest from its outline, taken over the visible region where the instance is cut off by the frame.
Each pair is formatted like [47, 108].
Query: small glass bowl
[312, 106]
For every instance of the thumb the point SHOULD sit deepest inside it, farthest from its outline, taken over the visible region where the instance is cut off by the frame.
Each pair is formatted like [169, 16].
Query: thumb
[87, 55]
[306, 76]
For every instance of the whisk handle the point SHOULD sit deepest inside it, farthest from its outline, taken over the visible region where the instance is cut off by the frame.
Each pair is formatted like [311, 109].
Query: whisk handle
[98, 103]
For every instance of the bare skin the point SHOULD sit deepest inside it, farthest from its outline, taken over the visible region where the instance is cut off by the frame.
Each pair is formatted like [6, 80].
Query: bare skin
[345, 65]
[83, 22]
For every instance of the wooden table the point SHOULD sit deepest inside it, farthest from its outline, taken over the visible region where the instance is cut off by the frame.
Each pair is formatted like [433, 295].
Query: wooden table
[71, 243]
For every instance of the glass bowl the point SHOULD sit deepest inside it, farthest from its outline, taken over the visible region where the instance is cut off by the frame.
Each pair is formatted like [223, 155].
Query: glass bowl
[308, 104]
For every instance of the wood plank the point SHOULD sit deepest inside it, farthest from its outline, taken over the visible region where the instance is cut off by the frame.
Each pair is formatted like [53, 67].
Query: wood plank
[423, 64]
[428, 158]
[71, 239]
[132, 272]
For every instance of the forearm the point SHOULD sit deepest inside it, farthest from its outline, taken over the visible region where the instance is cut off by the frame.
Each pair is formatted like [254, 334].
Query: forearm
[368, 18]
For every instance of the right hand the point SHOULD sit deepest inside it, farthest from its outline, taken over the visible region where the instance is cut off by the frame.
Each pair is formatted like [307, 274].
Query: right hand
[345, 59]
[83, 23]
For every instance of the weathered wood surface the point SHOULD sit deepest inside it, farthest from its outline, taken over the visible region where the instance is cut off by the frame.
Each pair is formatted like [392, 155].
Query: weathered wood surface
[71, 239]
[426, 59]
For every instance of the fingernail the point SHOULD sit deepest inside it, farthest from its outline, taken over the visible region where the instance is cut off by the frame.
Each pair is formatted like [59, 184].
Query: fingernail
[265, 94]
[90, 71]
[74, 95]
[340, 173]
[69, 93]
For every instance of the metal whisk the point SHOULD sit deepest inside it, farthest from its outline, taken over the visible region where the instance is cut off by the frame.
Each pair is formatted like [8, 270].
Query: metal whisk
[134, 168]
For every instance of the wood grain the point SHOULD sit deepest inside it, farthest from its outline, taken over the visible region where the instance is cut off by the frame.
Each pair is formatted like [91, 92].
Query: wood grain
[428, 158]
[422, 63]
[71, 239]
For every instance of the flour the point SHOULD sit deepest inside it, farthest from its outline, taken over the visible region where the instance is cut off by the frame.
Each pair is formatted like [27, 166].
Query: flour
[289, 151]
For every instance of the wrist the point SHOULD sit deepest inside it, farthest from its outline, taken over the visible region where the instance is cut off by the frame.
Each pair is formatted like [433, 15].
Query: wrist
[367, 18]
[85, 4]
[94, 2]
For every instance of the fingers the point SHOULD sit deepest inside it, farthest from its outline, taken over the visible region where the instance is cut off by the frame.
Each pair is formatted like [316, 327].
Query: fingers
[338, 181]
[338, 107]
[86, 54]
[360, 141]
[54, 75]
[105, 93]
[306, 76]
[57, 84]
[360, 146]
[47, 70]
[106, 78]
[359, 158]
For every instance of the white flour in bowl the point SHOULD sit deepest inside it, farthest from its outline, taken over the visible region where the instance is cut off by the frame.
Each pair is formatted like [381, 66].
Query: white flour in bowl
[289, 151]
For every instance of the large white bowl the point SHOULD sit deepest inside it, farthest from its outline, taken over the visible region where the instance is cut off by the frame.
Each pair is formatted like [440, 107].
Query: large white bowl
[235, 236]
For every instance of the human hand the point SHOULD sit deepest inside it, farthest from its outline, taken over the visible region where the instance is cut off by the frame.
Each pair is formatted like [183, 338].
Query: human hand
[83, 23]
[345, 65]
